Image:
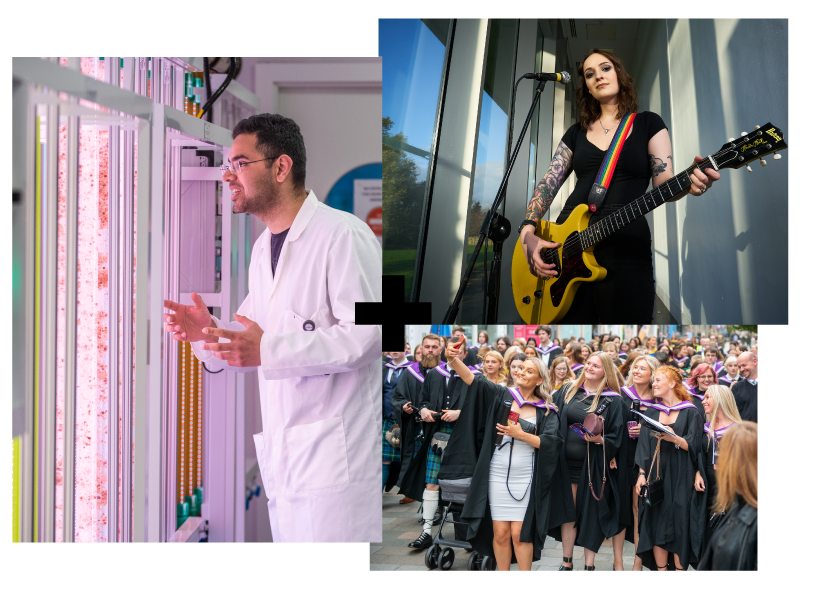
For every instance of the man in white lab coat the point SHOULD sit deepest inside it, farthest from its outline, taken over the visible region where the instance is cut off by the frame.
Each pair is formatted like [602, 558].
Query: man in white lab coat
[319, 374]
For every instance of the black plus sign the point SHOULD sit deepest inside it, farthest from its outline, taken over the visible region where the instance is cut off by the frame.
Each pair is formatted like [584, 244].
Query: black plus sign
[392, 313]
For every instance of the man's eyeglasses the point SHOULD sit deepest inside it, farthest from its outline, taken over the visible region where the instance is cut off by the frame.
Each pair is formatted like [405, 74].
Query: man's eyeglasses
[236, 167]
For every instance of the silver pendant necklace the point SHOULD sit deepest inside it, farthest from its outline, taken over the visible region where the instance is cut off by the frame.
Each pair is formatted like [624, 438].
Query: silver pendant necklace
[606, 131]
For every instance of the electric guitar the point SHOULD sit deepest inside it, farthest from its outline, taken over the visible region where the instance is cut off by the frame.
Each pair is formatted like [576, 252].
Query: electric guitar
[545, 301]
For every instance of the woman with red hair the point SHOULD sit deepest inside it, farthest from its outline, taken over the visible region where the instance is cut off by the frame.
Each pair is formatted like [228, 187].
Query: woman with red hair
[671, 457]
[702, 377]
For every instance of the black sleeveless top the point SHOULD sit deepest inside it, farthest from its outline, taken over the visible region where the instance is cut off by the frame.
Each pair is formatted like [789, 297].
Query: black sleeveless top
[630, 180]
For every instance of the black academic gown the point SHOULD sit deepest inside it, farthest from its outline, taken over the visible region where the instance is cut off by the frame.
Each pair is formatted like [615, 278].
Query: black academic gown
[469, 453]
[434, 393]
[409, 389]
[697, 399]
[667, 525]
[702, 523]
[628, 476]
[746, 400]
[597, 520]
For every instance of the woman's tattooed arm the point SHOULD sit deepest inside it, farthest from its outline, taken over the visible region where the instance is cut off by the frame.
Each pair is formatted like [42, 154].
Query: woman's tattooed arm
[548, 187]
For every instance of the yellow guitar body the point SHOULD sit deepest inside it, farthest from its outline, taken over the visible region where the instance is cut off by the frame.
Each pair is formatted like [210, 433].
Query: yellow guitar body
[545, 301]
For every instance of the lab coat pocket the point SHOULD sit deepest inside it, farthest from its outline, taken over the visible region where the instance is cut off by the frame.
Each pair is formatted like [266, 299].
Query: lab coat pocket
[317, 455]
[293, 322]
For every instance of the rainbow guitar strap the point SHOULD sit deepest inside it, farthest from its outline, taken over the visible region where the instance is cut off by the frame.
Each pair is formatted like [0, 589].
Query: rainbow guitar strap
[607, 170]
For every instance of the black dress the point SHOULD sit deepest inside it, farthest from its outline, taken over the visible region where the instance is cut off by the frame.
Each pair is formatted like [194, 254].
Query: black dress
[667, 524]
[595, 520]
[627, 294]
[470, 451]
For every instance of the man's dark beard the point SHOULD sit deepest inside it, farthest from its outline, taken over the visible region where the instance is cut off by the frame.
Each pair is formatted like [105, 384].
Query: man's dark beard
[429, 361]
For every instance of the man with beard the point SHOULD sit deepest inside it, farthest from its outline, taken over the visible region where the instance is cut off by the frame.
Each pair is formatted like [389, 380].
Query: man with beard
[745, 389]
[408, 393]
[391, 373]
[443, 395]
[548, 351]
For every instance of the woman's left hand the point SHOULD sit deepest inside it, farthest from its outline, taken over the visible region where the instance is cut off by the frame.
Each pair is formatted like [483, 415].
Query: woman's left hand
[669, 437]
[594, 439]
[702, 181]
[514, 430]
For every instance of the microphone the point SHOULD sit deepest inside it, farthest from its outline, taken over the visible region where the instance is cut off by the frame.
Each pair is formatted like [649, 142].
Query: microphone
[562, 77]
[505, 416]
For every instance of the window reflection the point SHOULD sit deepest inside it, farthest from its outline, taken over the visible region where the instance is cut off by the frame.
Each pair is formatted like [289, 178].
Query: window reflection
[491, 156]
[412, 52]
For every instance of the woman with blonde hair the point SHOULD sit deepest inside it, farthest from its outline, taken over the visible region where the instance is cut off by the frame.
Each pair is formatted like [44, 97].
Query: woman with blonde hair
[671, 457]
[507, 504]
[532, 352]
[584, 506]
[722, 413]
[417, 354]
[734, 544]
[480, 355]
[493, 367]
[560, 373]
[636, 392]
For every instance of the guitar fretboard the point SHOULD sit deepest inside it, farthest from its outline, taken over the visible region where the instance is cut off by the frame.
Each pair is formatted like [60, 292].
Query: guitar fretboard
[639, 207]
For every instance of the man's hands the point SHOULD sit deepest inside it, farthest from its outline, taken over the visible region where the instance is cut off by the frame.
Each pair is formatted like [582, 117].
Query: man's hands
[532, 246]
[243, 350]
[187, 321]
[450, 415]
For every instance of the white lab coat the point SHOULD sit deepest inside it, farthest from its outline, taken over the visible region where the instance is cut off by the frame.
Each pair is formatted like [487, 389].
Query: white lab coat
[319, 451]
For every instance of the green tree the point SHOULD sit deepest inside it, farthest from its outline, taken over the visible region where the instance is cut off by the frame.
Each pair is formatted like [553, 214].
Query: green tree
[402, 192]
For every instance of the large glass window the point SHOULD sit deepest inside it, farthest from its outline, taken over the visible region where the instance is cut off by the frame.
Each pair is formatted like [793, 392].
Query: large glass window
[491, 153]
[413, 55]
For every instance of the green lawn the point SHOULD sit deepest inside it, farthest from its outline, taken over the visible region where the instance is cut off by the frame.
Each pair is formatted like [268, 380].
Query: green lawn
[403, 262]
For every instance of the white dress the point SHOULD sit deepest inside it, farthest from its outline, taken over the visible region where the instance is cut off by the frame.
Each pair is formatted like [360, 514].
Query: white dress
[502, 505]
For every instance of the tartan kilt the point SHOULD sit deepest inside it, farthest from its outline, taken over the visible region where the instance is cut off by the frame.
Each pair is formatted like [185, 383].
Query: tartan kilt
[434, 460]
[389, 453]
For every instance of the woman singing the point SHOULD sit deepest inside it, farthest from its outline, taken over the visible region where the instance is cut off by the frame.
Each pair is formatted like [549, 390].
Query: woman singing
[721, 410]
[606, 95]
[507, 505]
[664, 527]
[584, 519]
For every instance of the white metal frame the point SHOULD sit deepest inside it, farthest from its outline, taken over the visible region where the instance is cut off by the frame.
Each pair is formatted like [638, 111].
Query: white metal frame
[151, 428]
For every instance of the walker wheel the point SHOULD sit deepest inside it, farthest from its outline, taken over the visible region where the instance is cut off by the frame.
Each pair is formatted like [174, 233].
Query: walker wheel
[448, 556]
[487, 563]
[474, 562]
[431, 557]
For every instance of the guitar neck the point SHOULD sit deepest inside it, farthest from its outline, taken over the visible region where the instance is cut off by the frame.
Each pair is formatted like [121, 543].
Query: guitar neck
[640, 206]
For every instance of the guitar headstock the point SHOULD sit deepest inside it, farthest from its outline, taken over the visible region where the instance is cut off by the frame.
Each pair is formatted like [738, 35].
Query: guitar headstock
[749, 147]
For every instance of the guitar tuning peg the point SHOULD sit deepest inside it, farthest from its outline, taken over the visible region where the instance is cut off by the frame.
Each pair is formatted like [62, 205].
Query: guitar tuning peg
[757, 126]
[749, 168]
[743, 134]
[731, 139]
[777, 156]
[762, 161]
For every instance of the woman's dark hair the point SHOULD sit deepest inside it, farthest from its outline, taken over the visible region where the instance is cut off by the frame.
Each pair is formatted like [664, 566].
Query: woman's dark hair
[275, 136]
[589, 109]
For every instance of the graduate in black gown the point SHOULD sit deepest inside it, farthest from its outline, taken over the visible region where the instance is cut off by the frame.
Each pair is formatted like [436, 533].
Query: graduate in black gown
[549, 351]
[722, 414]
[443, 395]
[391, 456]
[702, 377]
[579, 518]
[732, 374]
[745, 390]
[680, 359]
[409, 393]
[573, 353]
[664, 527]
[636, 391]
[471, 450]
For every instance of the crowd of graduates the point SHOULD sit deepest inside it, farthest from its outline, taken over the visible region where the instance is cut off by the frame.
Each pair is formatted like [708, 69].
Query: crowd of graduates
[672, 470]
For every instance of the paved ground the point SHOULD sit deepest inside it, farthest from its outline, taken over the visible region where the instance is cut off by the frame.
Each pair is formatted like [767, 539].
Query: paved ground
[400, 526]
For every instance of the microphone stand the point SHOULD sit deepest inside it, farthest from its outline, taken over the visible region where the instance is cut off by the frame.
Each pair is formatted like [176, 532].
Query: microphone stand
[497, 228]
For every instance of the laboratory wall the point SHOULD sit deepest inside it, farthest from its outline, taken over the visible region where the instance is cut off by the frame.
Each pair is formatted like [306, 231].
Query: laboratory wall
[722, 255]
